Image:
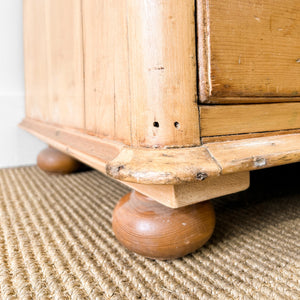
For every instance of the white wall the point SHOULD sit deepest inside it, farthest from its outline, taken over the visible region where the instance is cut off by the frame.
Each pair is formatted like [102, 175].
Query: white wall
[16, 146]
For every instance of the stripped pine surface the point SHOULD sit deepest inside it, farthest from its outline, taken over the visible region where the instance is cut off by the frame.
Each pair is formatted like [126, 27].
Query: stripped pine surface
[249, 50]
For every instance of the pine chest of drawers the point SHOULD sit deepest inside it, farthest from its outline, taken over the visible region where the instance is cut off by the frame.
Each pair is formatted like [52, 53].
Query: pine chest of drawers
[177, 99]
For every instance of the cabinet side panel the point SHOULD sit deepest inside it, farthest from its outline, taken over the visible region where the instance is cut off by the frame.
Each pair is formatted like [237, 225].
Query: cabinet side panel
[54, 61]
[106, 69]
[162, 71]
[35, 60]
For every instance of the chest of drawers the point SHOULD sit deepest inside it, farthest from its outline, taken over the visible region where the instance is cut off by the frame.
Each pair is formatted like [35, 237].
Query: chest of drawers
[177, 99]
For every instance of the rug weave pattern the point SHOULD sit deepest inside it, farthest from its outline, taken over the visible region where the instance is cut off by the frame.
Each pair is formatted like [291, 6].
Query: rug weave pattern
[56, 242]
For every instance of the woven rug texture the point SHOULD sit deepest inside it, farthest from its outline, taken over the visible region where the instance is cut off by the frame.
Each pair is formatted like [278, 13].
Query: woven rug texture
[56, 242]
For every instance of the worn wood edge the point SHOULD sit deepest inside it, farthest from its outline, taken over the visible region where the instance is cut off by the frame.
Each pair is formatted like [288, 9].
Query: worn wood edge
[240, 32]
[256, 153]
[175, 166]
[181, 195]
[169, 166]
[85, 147]
[243, 136]
[163, 166]
[137, 165]
[217, 120]
[203, 50]
[250, 100]
[91, 150]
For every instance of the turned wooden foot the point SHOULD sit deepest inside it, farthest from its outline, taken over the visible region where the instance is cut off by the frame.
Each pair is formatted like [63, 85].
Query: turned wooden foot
[53, 161]
[153, 230]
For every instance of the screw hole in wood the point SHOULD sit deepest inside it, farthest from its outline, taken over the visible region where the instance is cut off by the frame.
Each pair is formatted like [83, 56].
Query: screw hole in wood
[177, 125]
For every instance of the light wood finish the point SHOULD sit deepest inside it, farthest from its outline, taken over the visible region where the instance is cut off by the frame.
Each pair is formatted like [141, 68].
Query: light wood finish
[251, 100]
[106, 59]
[51, 160]
[115, 85]
[153, 230]
[99, 153]
[91, 150]
[163, 166]
[234, 137]
[256, 153]
[162, 72]
[180, 165]
[108, 43]
[175, 166]
[237, 119]
[140, 56]
[249, 49]
[54, 61]
[181, 195]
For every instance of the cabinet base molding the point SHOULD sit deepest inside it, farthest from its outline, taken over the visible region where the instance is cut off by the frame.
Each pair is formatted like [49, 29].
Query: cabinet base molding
[53, 161]
[180, 195]
[148, 228]
[172, 170]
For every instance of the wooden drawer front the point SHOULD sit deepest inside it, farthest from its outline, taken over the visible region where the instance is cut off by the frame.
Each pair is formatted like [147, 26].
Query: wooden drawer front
[224, 120]
[249, 49]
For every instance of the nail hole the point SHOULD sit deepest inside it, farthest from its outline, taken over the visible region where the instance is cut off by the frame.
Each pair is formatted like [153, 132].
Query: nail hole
[156, 124]
[201, 176]
[177, 125]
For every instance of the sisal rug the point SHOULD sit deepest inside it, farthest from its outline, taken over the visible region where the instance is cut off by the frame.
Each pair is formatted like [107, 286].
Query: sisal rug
[56, 242]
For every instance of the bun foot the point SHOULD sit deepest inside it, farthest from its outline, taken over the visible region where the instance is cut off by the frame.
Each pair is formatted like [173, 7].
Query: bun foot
[155, 231]
[51, 160]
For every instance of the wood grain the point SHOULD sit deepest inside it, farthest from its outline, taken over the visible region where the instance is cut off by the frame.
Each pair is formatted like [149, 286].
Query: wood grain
[106, 55]
[251, 49]
[153, 230]
[35, 60]
[181, 195]
[251, 100]
[162, 73]
[163, 166]
[256, 153]
[53, 161]
[169, 166]
[234, 137]
[140, 71]
[166, 167]
[237, 119]
[54, 62]
[91, 150]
